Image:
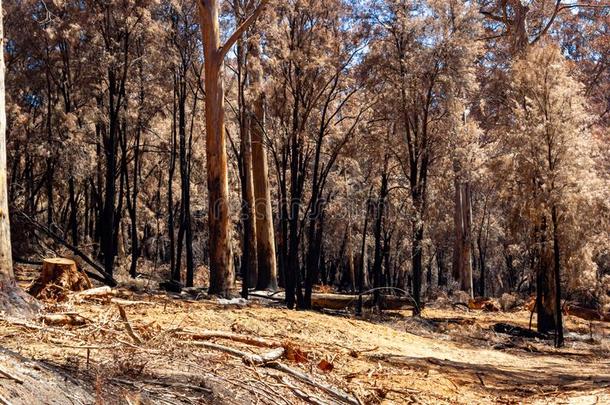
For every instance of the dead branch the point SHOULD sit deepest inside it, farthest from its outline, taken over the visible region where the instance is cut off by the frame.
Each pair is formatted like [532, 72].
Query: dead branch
[247, 358]
[68, 319]
[6, 374]
[4, 401]
[336, 393]
[163, 384]
[127, 303]
[301, 394]
[250, 340]
[270, 360]
[94, 292]
[515, 330]
[128, 328]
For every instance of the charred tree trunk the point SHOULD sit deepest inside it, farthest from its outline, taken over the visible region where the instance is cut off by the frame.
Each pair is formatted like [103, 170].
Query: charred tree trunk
[462, 260]
[557, 276]
[249, 266]
[175, 271]
[545, 285]
[416, 263]
[73, 211]
[379, 212]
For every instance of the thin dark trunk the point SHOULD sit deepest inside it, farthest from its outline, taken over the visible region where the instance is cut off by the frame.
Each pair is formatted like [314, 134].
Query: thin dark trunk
[417, 250]
[378, 233]
[361, 272]
[557, 274]
[175, 272]
[73, 211]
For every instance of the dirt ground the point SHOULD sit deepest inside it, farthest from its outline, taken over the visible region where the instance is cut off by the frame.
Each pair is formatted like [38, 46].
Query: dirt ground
[449, 356]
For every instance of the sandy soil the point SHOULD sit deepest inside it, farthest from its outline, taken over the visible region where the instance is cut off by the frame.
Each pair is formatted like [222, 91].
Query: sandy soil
[450, 356]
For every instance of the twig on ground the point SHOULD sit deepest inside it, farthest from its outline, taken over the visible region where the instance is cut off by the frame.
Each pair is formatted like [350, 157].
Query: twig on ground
[337, 393]
[301, 394]
[4, 401]
[6, 374]
[248, 358]
[137, 339]
[163, 384]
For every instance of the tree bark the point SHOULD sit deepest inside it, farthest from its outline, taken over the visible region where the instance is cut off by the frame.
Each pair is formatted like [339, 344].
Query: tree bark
[12, 299]
[545, 285]
[222, 273]
[265, 240]
[557, 276]
[249, 267]
[378, 229]
[462, 259]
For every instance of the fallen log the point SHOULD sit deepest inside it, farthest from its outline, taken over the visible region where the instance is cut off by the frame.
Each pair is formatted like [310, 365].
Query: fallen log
[98, 292]
[589, 314]
[337, 393]
[63, 319]
[248, 358]
[250, 340]
[343, 301]
[340, 301]
[518, 331]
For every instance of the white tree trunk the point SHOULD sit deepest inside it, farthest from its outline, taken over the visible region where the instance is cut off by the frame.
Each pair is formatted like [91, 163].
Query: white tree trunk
[6, 260]
[12, 299]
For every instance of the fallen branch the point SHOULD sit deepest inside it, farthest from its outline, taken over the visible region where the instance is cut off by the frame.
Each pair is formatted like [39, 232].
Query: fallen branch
[163, 384]
[247, 358]
[68, 319]
[127, 303]
[94, 292]
[514, 330]
[301, 394]
[250, 340]
[105, 278]
[6, 374]
[137, 339]
[4, 401]
[270, 358]
[332, 391]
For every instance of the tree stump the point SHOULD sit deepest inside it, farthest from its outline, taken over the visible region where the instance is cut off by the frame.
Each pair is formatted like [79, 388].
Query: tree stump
[58, 277]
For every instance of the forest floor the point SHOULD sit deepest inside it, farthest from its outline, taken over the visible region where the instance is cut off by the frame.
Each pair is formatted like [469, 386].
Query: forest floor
[448, 356]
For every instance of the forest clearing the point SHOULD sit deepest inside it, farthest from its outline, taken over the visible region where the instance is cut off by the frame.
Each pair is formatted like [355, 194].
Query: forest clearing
[304, 202]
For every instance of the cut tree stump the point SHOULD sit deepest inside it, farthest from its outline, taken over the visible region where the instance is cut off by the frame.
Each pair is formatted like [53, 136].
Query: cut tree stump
[58, 276]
